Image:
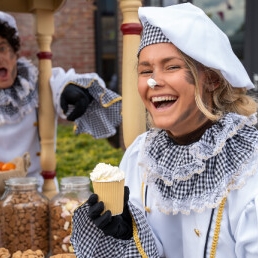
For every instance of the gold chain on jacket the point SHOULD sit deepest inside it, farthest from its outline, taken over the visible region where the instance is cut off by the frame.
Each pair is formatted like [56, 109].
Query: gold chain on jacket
[138, 241]
[215, 239]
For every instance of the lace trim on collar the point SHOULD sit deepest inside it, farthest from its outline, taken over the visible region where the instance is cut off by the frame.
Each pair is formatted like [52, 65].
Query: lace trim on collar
[22, 97]
[200, 175]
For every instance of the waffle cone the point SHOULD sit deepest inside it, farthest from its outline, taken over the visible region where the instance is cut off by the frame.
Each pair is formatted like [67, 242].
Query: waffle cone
[111, 194]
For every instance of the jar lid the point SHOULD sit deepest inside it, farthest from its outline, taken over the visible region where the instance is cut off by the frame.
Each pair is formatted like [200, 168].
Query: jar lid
[21, 181]
[74, 181]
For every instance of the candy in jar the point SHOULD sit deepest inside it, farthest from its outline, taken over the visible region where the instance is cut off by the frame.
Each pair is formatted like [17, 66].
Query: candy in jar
[24, 216]
[73, 192]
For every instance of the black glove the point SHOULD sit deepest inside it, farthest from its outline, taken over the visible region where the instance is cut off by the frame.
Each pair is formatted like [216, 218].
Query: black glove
[119, 226]
[77, 96]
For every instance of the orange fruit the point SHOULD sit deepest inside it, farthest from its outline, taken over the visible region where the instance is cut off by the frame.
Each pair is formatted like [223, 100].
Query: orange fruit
[8, 166]
[1, 164]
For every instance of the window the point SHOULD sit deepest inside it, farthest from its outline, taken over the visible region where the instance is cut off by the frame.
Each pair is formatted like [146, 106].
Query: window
[229, 15]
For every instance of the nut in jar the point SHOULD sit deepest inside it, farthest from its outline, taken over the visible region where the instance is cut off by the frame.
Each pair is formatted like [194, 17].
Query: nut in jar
[24, 217]
[73, 192]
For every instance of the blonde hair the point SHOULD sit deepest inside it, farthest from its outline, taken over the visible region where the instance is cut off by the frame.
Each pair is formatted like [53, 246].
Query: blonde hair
[225, 98]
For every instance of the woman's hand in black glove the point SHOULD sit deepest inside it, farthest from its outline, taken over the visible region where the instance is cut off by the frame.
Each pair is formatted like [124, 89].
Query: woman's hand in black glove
[76, 96]
[119, 226]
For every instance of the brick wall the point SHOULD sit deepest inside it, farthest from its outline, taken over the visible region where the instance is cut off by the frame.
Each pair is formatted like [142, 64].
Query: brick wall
[73, 41]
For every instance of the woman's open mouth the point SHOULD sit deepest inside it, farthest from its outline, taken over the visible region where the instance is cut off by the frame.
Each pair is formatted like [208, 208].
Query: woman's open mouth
[163, 101]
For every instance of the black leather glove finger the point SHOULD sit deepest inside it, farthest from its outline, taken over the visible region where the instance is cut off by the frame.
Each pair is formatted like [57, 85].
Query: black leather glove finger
[103, 220]
[77, 96]
[126, 194]
[96, 208]
[126, 214]
[79, 109]
[92, 199]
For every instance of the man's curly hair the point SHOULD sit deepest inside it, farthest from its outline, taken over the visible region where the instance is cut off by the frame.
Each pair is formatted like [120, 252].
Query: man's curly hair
[10, 34]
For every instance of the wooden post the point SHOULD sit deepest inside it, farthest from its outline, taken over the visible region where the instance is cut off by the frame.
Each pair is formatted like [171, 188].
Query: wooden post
[133, 111]
[47, 120]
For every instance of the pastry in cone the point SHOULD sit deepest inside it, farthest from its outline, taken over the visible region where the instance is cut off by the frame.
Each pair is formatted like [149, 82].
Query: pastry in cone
[108, 184]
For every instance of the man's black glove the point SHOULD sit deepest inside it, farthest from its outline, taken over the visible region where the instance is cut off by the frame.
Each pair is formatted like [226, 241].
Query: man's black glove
[76, 96]
[119, 226]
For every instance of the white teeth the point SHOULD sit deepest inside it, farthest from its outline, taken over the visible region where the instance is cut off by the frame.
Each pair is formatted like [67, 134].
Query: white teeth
[163, 98]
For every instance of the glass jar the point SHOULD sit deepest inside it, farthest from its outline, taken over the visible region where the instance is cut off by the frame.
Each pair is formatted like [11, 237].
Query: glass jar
[24, 216]
[73, 192]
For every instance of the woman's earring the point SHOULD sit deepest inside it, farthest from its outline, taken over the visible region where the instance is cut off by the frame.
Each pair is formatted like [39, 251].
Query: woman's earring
[151, 82]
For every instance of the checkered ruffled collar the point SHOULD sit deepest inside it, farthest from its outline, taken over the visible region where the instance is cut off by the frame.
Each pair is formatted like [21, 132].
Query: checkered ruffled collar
[22, 97]
[199, 175]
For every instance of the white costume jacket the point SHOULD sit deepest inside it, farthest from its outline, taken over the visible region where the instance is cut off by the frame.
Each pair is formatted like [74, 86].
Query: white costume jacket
[192, 201]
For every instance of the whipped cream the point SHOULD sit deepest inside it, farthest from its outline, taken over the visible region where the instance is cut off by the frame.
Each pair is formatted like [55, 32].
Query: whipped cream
[106, 173]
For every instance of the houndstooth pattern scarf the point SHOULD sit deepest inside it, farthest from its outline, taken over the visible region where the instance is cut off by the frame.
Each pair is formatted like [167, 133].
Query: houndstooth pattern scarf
[199, 175]
[22, 97]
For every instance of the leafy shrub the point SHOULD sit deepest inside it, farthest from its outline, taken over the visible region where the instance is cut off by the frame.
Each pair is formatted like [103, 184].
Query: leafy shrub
[77, 155]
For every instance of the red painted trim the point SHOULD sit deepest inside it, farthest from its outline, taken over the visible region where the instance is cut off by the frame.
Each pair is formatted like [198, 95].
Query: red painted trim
[44, 55]
[48, 174]
[131, 28]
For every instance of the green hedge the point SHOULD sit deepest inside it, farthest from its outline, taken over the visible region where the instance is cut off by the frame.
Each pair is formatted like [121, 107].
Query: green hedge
[77, 155]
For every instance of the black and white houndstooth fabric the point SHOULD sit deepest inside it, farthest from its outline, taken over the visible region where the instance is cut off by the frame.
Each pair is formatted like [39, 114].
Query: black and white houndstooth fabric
[152, 35]
[90, 242]
[22, 97]
[103, 114]
[199, 175]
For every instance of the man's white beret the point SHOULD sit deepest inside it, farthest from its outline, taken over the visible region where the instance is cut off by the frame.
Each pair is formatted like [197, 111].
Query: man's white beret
[195, 34]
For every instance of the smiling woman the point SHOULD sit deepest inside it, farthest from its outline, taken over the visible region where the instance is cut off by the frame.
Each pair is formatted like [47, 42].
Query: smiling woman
[166, 103]
[193, 175]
